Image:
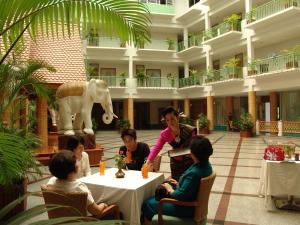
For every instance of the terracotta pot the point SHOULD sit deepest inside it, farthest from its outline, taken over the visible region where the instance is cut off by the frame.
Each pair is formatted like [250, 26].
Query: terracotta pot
[120, 174]
[7, 195]
[246, 133]
[204, 130]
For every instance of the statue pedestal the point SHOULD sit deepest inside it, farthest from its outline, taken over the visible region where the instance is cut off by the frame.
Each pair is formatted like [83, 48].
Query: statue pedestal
[94, 151]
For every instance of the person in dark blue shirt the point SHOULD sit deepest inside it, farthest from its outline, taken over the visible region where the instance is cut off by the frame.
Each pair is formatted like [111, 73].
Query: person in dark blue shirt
[187, 187]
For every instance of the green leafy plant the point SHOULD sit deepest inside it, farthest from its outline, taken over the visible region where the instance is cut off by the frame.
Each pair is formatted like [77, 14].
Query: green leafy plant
[245, 123]
[202, 121]
[186, 120]
[251, 15]
[193, 72]
[171, 78]
[120, 161]
[233, 21]
[123, 124]
[123, 79]
[41, 17]
[171, 43]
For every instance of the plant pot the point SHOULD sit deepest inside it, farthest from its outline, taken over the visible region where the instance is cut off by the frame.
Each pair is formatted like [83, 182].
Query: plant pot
[252, 72]
[120, 174]
[246, 133]
[204, 130]
[7, 195]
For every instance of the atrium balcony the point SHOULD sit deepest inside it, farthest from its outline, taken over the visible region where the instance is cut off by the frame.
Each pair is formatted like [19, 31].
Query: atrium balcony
[155, 7]
[163, 82]
[157, 48]
[195, 80]
[222, 76]
[112, 81]
[194, 48]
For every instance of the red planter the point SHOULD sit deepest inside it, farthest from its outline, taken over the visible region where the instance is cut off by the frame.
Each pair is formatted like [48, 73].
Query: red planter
[246, 133]
[204, 130]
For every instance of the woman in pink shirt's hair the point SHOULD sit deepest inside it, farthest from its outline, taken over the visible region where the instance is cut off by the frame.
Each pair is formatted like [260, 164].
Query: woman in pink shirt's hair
[178, 136]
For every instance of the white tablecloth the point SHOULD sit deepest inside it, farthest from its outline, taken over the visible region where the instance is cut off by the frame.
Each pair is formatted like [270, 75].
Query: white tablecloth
[128, 192]
[279, 178]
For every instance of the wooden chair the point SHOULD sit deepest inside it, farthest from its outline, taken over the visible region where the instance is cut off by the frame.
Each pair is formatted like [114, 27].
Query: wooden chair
[75, 204]
[201, 206]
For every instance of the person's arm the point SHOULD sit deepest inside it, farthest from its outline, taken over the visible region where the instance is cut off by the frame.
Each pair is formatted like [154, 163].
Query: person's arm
[187, 189]
[142, 155]
[87, 168]
[96, 209]
[157, 147]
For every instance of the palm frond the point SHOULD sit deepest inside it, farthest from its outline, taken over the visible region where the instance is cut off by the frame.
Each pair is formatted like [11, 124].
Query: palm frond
[127, 19]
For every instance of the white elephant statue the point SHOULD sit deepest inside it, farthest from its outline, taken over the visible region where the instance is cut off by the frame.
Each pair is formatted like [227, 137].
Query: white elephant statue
[77, 98]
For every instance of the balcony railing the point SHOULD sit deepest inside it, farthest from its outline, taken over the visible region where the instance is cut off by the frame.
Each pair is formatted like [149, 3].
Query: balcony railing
[221, 29]
[155, 6]
[112, 81]
[270, 8]
[157, 82]
[223, 74]
[190, 81]
[105, 42]
[194, 40]
[158, 44]
[273, 64]
[180, 46]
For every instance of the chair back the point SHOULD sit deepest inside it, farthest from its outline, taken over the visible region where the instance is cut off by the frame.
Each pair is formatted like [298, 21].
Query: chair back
[156, 163]
[75, 203]
[203, 196]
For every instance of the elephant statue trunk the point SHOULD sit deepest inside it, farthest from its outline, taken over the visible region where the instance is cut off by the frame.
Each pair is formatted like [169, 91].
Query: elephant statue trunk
[108, 116]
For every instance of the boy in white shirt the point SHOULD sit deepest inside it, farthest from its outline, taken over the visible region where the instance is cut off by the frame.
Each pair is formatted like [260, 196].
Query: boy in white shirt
[76, 145]
[64, 169]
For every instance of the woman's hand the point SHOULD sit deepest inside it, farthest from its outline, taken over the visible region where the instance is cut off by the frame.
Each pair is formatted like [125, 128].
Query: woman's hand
[168, 187]
[173, 181]
[149, 165]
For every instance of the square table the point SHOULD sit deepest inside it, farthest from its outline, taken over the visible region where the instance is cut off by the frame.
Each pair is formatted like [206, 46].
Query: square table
[279, 178]
[128, 192]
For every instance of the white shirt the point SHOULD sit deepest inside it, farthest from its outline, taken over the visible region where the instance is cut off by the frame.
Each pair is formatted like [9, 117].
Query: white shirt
[83, 164]
[70, 186]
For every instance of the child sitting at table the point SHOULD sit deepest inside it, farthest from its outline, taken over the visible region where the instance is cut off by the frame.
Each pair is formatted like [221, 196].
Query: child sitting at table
[64, 169]
[76, 145]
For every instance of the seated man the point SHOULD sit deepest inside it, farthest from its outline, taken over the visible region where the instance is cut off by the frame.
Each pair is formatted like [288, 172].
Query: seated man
[187, 187]
[64, 169]
[135, 152]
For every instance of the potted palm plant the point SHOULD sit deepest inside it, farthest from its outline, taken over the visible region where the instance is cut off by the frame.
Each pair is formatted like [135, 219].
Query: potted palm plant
[141, 78]
[203, 124]
[233, 21]
[171, 43]
[231, 67]
[245, 125]
[17, 144]
[251, 16]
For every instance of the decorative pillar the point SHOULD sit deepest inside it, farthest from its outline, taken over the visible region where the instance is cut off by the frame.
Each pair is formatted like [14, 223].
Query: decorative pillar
[24, 113]
[185, 37]
[273, 106]
[186, 69]
[208, 59]
[42, 120]
[210, 111]
[130, 67]
[187, 107]
[229, 105]
[252, 107]
[131, 112]
[175, 104]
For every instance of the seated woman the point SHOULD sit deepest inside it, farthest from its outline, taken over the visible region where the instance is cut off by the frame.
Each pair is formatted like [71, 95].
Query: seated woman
[64, 169]
[134, 152]
[187, 187]
[76, 145]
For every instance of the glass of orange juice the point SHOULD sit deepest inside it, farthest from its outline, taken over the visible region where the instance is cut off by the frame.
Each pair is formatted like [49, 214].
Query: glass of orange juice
[101, 167]
[145, 171]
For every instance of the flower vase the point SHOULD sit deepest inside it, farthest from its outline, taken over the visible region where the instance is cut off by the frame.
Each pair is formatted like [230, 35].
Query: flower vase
[120, 173]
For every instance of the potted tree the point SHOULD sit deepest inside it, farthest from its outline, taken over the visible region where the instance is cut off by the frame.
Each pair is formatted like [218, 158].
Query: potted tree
[17, 144]
[251, 16]
[245, 125]
[141, 78]
[203, 124]
[231, 67]
[233, 21]
[123, 124]
[171, 43]
[171, 78]
[252, 67]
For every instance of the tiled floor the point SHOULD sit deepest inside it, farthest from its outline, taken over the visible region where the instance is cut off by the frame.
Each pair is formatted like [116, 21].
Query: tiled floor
[234, 198]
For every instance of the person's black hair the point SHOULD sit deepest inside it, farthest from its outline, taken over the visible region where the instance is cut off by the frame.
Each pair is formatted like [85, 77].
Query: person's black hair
[201, 148]
[73, 142]
[128, 132]
[168, 110]
[62, 164]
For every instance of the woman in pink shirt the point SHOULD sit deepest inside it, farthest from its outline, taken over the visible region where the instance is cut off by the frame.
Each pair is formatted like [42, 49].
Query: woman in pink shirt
[178, 136]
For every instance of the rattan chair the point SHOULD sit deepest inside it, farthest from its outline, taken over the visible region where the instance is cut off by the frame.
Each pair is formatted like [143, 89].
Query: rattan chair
[201, 206]
[74, 204]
